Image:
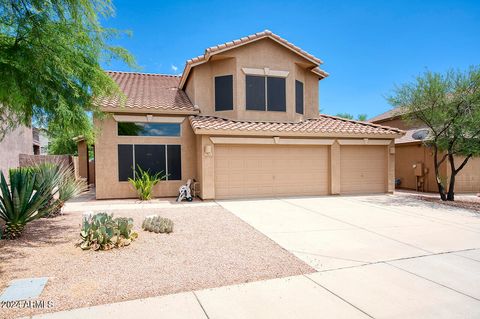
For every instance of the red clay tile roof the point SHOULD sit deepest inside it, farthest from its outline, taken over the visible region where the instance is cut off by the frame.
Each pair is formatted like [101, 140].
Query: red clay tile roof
[260, 35]
[254, 37]
[148, 91]
[322, 124]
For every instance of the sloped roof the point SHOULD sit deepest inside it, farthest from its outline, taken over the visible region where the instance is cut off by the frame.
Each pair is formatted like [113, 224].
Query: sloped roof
[324, 124]
[245, 40]
[416, 135]
[387, 115]
[146, 91]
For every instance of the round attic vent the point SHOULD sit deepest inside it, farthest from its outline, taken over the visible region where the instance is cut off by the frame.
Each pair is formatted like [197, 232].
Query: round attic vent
[420, 135]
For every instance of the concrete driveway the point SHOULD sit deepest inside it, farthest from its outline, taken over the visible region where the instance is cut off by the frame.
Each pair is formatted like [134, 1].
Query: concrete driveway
[387, 256]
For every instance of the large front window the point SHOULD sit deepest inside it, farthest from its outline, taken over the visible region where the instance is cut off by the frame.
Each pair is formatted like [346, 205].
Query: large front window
[265, 93]
[148, 129]
[153, 158]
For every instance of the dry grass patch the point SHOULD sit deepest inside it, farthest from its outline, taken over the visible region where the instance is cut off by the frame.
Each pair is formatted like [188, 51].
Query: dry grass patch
[209, 247]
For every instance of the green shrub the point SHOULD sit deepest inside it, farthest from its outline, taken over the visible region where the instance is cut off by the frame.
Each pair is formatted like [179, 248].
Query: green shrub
[62, 181]
[157, 224]
[143, 182]
[103, 232]
[68, 188]
[25, 199]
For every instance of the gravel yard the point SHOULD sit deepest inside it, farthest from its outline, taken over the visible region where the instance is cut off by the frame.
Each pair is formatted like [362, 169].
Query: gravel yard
[472, 203]
[209, 247]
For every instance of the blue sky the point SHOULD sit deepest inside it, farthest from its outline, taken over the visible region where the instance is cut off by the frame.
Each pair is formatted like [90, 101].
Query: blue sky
[367, 46]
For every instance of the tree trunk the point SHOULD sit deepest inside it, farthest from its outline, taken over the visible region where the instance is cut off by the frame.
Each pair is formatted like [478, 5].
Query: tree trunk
[451, 186]
[441, 189]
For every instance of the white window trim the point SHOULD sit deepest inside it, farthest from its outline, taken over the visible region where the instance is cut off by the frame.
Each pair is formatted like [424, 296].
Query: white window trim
[265, 72]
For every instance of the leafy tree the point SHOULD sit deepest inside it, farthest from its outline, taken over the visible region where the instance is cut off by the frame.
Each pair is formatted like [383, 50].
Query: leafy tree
[50, 54]
[360, 117]
[63, 144]
[449, 106]
[345, 115]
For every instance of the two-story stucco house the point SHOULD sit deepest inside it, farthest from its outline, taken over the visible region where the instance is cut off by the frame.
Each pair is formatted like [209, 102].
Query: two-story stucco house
[243, 120]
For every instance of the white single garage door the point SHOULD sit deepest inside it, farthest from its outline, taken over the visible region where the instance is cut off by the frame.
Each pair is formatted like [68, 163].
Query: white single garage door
[363, 169]
[270, 170]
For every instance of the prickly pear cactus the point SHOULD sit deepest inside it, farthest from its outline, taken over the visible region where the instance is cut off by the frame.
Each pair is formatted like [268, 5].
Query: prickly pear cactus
[157, 224]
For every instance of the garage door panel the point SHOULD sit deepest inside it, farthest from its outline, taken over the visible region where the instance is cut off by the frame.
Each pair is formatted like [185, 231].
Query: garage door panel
[270, 170]
[363, 169]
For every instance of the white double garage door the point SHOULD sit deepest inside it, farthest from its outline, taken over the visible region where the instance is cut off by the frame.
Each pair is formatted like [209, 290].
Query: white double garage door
[283, 170]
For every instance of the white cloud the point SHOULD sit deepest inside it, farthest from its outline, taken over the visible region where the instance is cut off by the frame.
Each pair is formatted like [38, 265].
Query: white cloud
[174, 68]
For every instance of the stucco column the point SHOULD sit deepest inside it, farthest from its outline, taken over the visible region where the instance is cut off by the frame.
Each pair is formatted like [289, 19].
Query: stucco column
[207, 184]
[335, 168]
[82, 159]
[391, 167]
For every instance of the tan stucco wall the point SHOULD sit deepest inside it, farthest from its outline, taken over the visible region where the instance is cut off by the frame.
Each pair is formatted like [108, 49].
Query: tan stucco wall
[391, 164]
[106, 160]
[82, 149]
[19, 141]
[206, 169]
[408, 155]
[468, 179]
[258, 55]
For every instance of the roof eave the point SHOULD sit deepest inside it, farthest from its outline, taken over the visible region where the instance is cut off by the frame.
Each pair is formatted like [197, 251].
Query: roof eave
[149, 111]
[208, 54]
[204, 131]
[408, 143]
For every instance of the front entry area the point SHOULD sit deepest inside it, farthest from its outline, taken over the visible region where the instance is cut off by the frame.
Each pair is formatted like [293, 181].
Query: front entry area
[271, 170]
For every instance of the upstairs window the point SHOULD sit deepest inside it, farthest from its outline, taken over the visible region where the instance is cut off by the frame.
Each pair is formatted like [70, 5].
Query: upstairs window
[255, 93]
[148, 129]
[265, 93]
[298, 97]
[224, 93]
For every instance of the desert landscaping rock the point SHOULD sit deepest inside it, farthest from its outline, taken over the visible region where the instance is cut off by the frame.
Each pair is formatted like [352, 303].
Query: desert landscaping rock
[209, 247]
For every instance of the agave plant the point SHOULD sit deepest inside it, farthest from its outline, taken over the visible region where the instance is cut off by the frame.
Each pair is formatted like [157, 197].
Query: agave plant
[68, 188]
[23, 201]
[49, 175]
[144, 182]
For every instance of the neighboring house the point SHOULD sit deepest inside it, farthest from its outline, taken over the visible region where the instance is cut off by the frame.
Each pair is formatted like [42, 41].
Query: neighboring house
[243, 121]
[411, 155]
[40, 141]
[19, 141]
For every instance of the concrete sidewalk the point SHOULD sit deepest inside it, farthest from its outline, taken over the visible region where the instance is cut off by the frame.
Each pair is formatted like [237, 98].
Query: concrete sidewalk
[291, 297]
[379, 290]
[375, 256]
